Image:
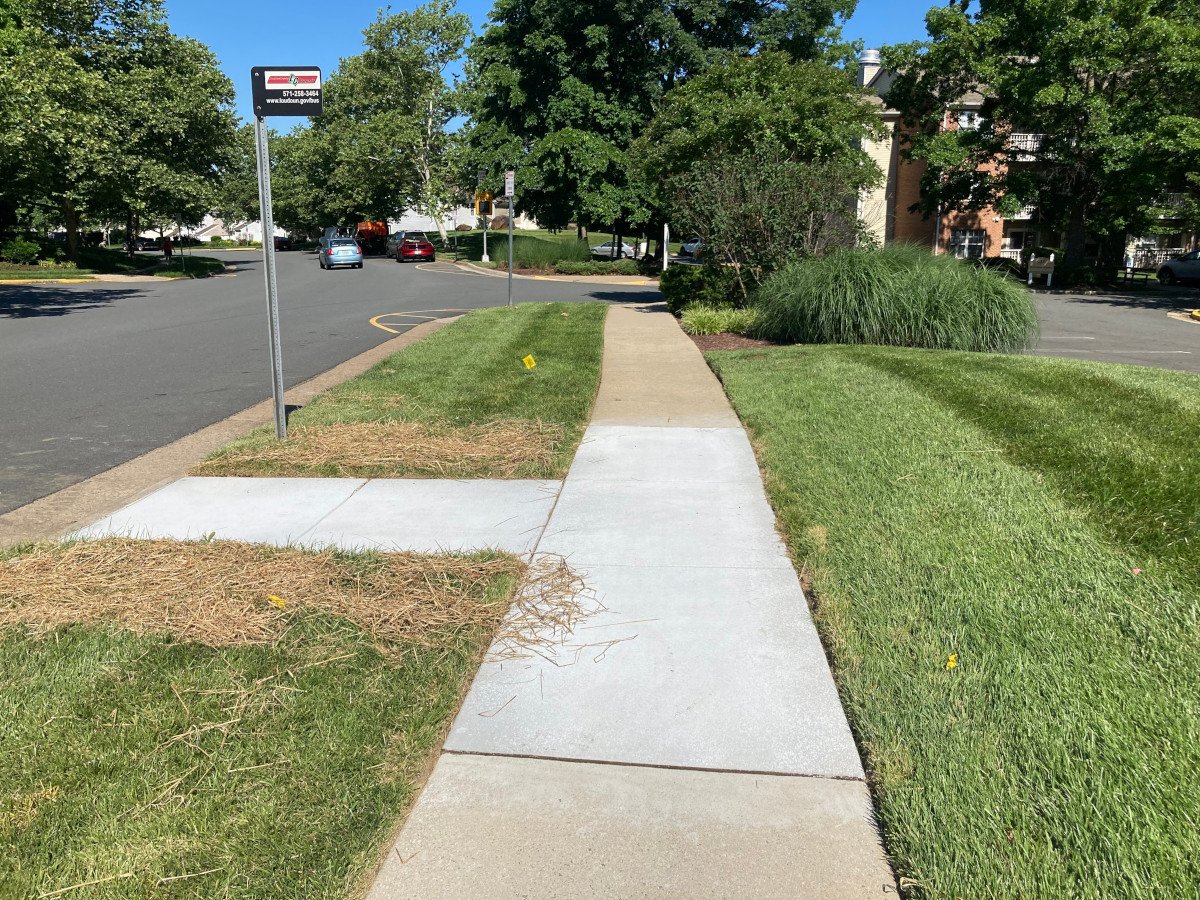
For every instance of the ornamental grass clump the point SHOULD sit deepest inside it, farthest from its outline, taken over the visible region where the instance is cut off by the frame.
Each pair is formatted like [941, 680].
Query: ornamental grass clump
[900, 295]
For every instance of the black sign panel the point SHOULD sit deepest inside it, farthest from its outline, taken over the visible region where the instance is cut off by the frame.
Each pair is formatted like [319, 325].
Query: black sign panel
[286, 90]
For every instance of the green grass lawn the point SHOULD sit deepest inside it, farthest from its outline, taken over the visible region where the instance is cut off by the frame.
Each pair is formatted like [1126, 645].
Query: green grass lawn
[461, 384]
[151, 766]
[1040, 520]
[116, 262]
[10, 272]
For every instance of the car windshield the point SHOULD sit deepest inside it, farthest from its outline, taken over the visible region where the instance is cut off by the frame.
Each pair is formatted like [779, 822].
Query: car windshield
[344, 243]
[414, 236]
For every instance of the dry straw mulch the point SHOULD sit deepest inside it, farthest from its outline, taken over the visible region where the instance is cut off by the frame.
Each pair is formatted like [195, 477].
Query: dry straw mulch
[223, 593]
[501, 449]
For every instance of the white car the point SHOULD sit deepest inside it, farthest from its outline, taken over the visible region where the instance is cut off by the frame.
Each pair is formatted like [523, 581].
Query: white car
[1185, 268]
[606, 251]
[690, 247]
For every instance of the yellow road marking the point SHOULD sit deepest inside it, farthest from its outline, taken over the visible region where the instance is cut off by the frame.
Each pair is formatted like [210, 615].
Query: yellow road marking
[414, 314]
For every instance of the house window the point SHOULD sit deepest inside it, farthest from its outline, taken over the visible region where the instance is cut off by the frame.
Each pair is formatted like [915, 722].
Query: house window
[967, 243]
[968, 120]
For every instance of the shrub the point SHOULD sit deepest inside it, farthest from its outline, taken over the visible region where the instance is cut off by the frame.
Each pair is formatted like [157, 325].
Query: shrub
[698, 319]
[595, 267]
[706, 285]
[20, 252]
[900, 295]
[534, 253]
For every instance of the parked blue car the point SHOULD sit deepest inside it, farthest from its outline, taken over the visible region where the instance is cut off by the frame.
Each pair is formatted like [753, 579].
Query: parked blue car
[339, 251]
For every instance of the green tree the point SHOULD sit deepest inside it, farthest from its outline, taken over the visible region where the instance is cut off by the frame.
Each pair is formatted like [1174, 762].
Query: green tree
[108, 113]
[1109, 86]
[760, 156]
[560, 91]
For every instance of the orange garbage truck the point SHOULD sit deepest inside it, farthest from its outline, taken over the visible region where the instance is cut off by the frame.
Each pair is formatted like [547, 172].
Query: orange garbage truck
[372, 237]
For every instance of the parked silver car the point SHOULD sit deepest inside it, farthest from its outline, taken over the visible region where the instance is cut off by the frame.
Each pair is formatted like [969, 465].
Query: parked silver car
[1185, 268]
[339, 251]
[608, 251]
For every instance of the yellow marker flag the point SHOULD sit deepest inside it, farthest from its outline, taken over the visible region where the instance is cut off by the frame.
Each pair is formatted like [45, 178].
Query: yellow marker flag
[277, 602]
[952, 662]
[529, 361]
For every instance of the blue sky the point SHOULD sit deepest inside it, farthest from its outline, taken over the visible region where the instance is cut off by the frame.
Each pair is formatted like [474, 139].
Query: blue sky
[245, 33]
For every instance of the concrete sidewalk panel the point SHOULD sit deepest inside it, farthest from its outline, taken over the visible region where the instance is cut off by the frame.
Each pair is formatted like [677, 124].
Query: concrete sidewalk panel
[261, 510]
[505, 828]
[431, 515]
[654, 375]
[700, 668]
[665, 524]
[664, 454]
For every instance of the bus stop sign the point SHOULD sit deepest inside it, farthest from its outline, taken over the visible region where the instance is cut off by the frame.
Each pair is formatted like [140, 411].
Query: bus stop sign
[286, 90]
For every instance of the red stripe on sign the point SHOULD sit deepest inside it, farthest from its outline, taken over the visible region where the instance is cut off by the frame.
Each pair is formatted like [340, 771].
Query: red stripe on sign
[299, 79]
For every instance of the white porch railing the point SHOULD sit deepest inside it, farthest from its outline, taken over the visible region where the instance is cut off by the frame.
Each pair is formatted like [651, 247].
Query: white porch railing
[1152, 259]
[1024, 144]
[1014, 253]
[1025, 212]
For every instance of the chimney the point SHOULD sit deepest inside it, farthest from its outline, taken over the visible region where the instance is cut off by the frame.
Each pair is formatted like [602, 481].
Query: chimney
[868, 66]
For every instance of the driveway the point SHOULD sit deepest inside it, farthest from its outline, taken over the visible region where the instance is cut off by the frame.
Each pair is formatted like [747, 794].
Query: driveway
[1129, 326]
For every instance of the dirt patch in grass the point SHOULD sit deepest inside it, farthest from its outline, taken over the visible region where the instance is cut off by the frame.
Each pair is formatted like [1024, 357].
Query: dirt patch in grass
[224, 593]
[727, 341]
[506, 449]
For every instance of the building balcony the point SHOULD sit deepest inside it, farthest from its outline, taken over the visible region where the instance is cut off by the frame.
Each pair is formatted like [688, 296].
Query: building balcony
[1024, 146]
[1024, 213]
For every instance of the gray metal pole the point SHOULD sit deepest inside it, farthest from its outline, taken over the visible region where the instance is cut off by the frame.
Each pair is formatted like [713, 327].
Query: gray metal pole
[268, 225]
[510, 228]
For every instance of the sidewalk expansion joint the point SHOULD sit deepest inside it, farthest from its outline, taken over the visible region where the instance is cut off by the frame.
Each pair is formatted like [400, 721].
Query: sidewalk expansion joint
[317, 523]
[549, 516]
[716, 770]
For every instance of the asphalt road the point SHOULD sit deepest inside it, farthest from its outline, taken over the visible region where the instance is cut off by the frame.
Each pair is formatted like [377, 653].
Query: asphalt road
[1132, 326]
[94, 375]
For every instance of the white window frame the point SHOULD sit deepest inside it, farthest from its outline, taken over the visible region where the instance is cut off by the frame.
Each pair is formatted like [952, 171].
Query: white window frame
[965, 241]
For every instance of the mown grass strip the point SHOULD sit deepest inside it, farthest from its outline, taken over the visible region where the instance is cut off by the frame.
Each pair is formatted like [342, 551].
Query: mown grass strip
[458, 382]
[1036, 518]
[196, 759]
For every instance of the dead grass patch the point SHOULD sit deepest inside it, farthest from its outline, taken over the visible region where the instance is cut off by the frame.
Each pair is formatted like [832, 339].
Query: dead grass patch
[222, 593]
[502, 449]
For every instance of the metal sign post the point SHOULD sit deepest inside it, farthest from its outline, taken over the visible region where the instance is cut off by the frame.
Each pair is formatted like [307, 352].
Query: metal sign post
[509, 179]
[278, 91]
[268, 232]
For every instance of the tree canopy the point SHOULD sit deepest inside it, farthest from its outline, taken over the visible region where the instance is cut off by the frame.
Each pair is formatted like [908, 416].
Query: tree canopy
[560, 91]
[1109, 88]
[107, 113]
[382, 144]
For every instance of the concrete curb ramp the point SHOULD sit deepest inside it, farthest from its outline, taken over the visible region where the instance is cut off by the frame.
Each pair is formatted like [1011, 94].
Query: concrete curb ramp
[686, 741]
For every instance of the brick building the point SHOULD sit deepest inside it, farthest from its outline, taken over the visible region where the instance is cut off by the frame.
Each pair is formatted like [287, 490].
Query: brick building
[886, 210]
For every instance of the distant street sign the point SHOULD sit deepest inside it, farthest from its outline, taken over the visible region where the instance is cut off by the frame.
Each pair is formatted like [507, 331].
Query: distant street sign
[510, 178]
[286, 90]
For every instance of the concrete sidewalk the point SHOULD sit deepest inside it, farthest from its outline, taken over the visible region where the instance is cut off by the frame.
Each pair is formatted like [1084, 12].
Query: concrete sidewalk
[687, 741]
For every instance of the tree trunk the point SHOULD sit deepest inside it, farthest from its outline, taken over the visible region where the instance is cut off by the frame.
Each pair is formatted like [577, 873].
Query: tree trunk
[1073, 252]
[71, 221]
[580, 232]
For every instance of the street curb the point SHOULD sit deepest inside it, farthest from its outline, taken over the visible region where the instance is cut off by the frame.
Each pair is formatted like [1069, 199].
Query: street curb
[569, 279]
[90, 279]
[81, 504]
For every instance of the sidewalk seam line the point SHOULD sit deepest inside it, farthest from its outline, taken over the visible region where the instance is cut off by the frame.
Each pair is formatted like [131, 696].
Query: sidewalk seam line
[716, 770]
[336, 507]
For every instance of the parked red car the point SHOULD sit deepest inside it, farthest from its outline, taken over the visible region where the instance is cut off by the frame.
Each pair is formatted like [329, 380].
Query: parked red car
[415, 246]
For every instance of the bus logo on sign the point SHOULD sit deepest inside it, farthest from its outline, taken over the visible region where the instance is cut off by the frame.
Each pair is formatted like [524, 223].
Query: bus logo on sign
[286, 90]
[291, 79]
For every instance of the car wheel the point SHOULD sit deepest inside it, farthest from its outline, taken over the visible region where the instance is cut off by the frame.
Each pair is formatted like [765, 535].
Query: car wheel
[359, 266]
[1166, 277]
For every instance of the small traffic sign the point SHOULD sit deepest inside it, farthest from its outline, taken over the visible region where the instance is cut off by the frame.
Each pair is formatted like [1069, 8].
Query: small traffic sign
[286, 90]
[510, 178]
